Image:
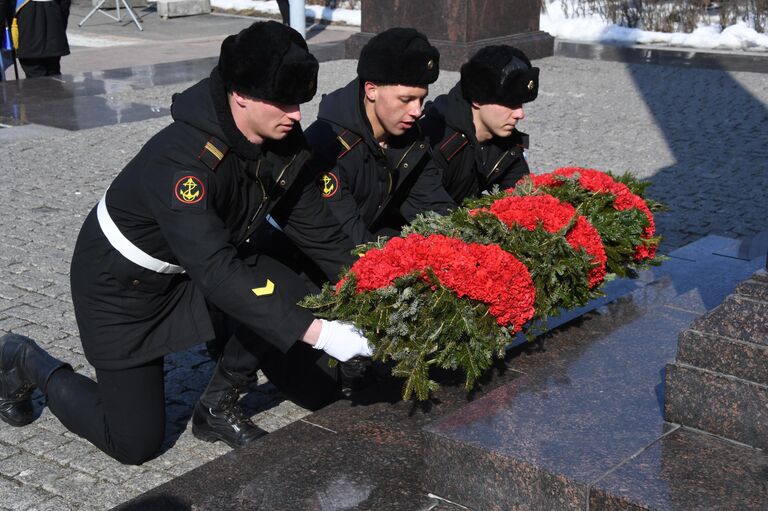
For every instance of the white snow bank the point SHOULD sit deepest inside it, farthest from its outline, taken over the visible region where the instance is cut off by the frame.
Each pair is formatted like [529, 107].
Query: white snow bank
[593, 29]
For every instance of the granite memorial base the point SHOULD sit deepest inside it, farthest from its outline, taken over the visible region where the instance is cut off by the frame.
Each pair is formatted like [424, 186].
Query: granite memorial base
[719, 382]
[574, 421]
[458, 28]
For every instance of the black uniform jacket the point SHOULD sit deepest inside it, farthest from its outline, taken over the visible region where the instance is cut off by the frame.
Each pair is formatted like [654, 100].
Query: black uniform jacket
[190, 200]
[469, 168]
[369, 188]
[42, 27]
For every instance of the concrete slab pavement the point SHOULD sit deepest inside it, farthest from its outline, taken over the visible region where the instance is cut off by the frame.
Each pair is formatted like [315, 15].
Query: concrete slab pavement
[102, 43]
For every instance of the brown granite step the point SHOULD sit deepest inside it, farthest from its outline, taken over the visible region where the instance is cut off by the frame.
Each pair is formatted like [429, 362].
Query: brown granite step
[717, 403]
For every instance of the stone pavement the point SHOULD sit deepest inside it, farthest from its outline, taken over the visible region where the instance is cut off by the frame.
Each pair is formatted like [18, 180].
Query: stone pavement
[698, 134]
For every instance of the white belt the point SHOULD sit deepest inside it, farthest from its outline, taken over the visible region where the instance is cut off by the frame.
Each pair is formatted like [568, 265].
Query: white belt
[128, 249]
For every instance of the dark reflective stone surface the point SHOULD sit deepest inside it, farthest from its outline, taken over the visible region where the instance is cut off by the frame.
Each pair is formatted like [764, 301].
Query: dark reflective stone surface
[576, 417]
[553, 421]
[83, 101]
[687, 470]
[588, 404]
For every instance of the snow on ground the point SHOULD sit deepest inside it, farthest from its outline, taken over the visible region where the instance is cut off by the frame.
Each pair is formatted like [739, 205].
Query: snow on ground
[348, 16]
[594, 29]
[588, 29]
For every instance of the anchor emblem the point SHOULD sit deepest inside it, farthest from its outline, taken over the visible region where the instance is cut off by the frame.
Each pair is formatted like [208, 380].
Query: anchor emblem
[189, 190]
[329, 185]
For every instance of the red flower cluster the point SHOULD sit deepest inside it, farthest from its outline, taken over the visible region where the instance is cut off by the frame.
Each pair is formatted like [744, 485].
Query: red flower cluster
[485, 273]
[596, 181]
[547, 211]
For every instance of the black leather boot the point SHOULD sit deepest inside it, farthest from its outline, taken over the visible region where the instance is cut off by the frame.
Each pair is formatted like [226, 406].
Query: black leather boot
[218, 415]
[23, 366]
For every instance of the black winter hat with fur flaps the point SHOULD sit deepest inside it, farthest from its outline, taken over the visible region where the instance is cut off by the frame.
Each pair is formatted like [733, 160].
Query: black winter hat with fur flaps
[500, 74]
[269, 61]
[401, 56]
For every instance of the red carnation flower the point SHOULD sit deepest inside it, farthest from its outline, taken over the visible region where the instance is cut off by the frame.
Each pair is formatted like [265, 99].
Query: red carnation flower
[485, 273]
[596, 181]
[534, 210]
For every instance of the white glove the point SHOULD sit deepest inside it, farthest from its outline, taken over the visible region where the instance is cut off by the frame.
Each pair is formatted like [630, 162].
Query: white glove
[342, 341]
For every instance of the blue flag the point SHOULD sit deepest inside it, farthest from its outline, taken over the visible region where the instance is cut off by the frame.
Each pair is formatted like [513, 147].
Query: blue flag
[7, 45]
[20, 4]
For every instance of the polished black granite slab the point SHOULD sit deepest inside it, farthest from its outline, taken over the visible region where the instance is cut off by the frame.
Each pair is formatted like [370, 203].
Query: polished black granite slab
[78, 113]
[83, 101]
[540, 441]
[684, 471]
[575, 407]
[693, 58]
[302, 467]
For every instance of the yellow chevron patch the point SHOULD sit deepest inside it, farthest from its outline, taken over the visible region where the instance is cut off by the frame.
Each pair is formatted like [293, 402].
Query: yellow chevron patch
[265, 290]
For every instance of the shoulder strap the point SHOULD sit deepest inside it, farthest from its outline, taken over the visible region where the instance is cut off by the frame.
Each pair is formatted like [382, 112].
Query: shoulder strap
[348, 140]
[213, 152]
[451, 146]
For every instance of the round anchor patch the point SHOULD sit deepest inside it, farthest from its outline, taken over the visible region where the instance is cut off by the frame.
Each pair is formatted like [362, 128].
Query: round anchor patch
[189, 190]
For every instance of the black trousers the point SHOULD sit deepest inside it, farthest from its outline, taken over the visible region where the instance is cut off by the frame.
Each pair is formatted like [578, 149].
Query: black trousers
[46, 66]
[285, 11]
[123, 414]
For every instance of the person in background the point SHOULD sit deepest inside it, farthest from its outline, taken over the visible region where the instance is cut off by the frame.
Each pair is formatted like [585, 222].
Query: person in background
[473, 129]
[39, 29]
[285, 11]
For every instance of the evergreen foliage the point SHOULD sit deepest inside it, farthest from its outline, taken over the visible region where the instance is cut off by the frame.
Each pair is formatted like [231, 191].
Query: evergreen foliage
[417, 323]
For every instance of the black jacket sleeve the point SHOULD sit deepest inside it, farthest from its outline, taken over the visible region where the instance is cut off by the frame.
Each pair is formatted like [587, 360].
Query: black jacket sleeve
[201, 243]
[427, 194]
[345, 209]
[342, 204]
[514, 173]
[309, 223]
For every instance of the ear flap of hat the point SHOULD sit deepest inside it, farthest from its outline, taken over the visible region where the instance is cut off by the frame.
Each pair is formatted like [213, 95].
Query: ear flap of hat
[296, 82]
[499, 74]
[479, 82]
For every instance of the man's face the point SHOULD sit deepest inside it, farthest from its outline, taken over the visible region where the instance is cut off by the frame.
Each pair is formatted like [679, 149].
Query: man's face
[394, 108]
[499, 120]
[261, 120]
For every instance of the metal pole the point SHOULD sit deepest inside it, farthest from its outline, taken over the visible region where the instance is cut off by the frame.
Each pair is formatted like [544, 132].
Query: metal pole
[298, 17]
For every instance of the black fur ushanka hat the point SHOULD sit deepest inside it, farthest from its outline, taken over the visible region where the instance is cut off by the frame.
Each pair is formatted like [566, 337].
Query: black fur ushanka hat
[269, 61]
[500, 74]
[399, 56]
